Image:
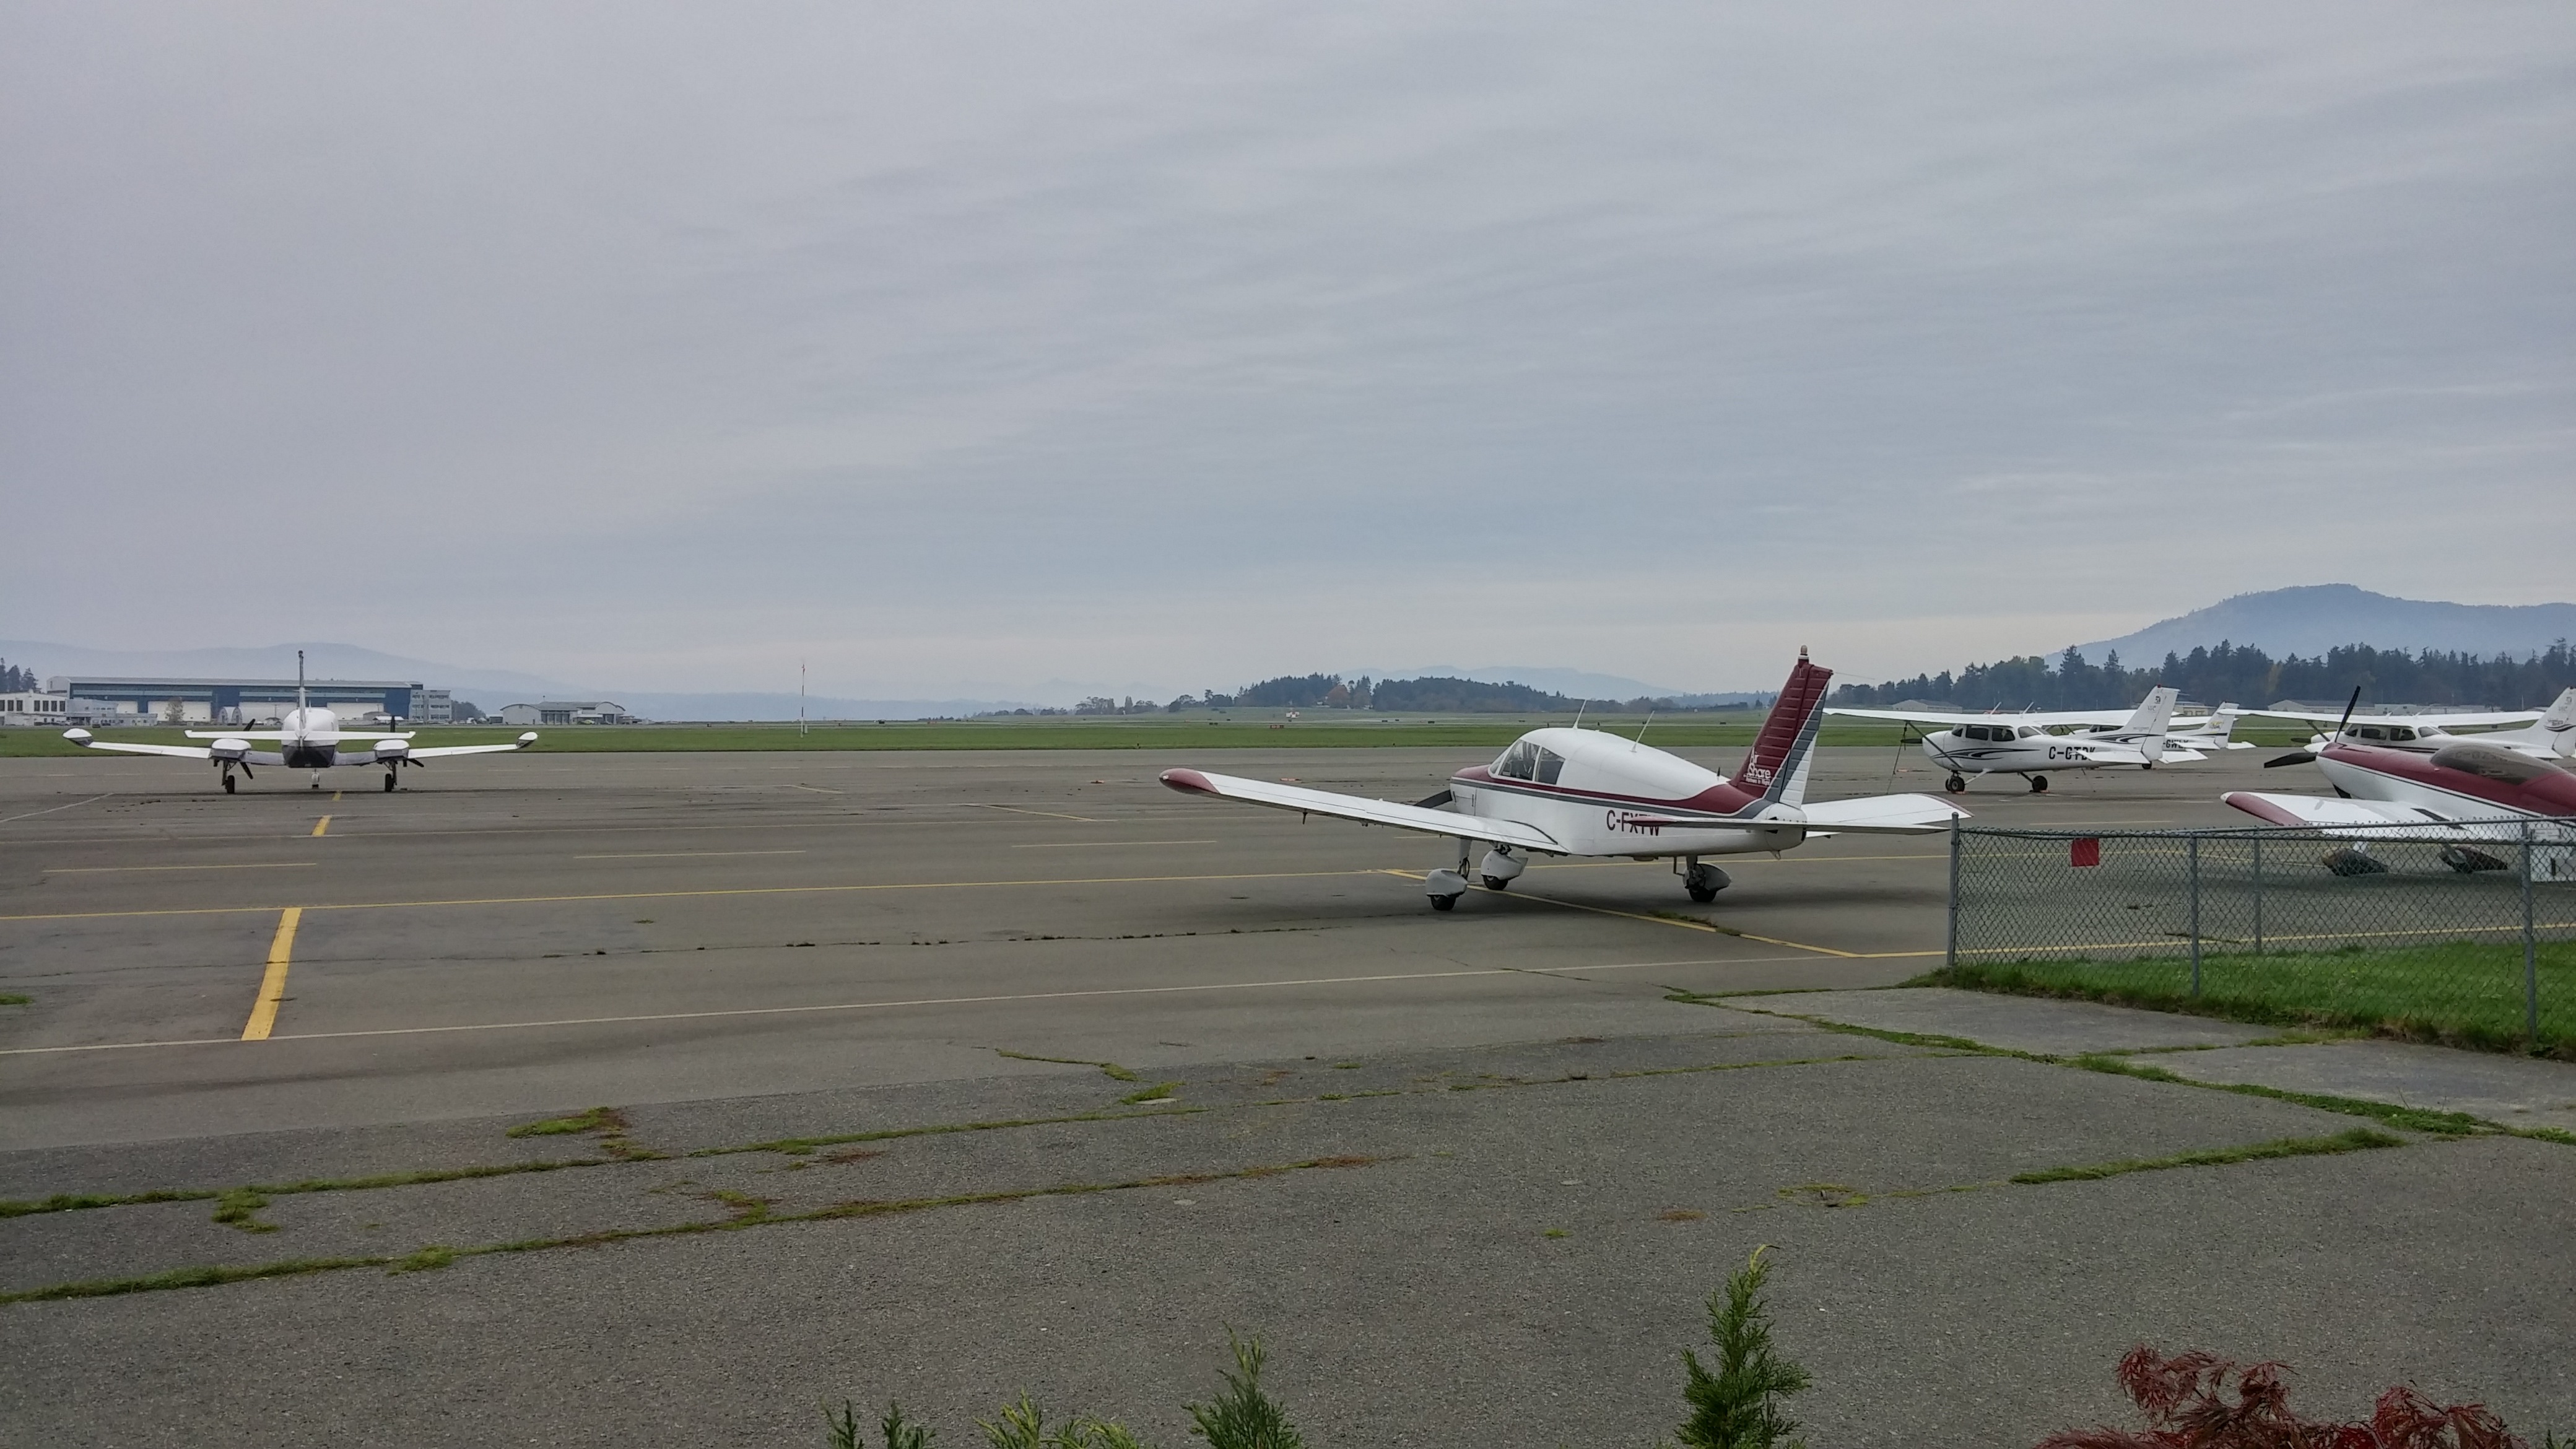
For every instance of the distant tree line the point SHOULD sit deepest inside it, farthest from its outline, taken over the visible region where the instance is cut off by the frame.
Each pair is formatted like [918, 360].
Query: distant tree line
[2243, 674]
[1431, 694]
[14, 680]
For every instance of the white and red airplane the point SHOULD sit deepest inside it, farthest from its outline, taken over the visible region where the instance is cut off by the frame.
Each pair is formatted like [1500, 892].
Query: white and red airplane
[309, 738]
[2549, 733]
[2464, 790]
[1567, 792]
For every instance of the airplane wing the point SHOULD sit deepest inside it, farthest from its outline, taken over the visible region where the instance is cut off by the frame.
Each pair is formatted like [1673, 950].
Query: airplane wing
[184, 752]
[1881, 815]
[2332, 716]
[1922, 717]
[2366, 819]
[521, 743]
[1369, 812]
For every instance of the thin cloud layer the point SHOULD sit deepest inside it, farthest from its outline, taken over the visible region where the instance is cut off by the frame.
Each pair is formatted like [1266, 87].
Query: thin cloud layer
[1162, 345]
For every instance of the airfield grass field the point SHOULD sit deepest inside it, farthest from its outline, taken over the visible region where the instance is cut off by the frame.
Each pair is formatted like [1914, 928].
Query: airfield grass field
[1197, 731]
[2461, 993]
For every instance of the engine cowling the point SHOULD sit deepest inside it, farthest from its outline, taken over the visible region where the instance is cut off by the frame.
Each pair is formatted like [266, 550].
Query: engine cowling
[228, 748]
[390, 750]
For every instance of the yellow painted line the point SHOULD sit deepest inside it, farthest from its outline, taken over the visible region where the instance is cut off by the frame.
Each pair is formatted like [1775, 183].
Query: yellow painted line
[129, 869]
[935, 885]
[1104, 844]
[1050, 814]
[684, 854]
[845, 1006]
[322, 824]
[1685, 924]
[335, 799]
[272, 987]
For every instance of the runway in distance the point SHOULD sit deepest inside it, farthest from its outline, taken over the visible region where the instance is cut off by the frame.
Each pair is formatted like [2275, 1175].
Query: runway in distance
[2028, 744]
[308, 738]
[1575, 792]
[2549, 733]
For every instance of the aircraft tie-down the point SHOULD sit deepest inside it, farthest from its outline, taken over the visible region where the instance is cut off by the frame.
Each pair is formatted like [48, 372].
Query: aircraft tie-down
[310, 738]
[1572, 792]
[2028, 744]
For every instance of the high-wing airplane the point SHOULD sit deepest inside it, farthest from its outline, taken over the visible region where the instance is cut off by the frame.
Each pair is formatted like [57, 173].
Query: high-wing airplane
[2549, 733]
[1561, 792]
[309, 738]
[2025, 745]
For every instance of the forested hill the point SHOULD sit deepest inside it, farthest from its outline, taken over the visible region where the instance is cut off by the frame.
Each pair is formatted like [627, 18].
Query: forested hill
[1429, 694]
[2244, 675]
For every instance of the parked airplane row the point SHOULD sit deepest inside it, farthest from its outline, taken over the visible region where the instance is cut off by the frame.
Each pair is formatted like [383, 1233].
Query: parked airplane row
[1571, 792]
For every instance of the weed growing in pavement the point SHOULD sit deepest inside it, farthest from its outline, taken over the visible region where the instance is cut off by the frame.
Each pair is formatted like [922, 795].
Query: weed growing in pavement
[1740, 1405]
[1159, 1092]
[238, 1207]
[607, 1123]
[2358, 1139]
[12, 998]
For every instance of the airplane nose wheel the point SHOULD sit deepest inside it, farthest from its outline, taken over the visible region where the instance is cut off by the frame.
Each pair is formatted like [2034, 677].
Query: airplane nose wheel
[1956, 785]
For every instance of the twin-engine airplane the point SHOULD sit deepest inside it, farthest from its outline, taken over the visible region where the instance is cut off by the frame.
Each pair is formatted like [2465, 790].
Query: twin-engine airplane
[2549, 734]
[2026, 745]
[1564, 792]
[309, 738]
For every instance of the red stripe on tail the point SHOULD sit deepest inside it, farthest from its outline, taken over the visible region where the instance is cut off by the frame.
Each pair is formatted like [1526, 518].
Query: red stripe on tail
[1799, 700]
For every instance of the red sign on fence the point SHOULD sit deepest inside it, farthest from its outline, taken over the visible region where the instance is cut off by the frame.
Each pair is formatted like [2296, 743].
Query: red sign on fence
[2084, 852]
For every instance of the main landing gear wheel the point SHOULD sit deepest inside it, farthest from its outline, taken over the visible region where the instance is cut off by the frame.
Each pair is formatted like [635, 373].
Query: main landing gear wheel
[2039, 784]
[228, 784]
[1957, 785]
[1444, 903]
[1704, 882]
[389, 782]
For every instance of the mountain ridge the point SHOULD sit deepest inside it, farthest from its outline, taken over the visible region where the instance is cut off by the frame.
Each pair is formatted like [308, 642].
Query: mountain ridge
[2309, 619]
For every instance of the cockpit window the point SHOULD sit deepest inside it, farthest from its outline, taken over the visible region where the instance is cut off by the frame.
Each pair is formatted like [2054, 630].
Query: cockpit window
[2028, 730]
[1550, 765]
[2370, 732]
[2400, 732]
[1520, 762]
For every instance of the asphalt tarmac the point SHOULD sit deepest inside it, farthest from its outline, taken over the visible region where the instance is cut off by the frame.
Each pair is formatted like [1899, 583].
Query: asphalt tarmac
[1469, 1174]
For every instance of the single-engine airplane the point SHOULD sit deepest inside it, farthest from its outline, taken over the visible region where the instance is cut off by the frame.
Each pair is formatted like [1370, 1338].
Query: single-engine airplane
[2024, 745]
[2463, 790]
[1565, 792]
[309, 738]
[2549, 734]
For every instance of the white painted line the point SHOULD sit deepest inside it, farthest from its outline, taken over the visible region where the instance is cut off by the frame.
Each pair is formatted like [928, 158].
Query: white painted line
[127, 869]
[1099, 844]
[684, 854]
[32, 814]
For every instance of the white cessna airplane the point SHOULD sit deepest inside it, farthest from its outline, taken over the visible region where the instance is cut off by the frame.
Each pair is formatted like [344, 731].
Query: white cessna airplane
[1566, 792]
[310, 739]
[2022, 744]
[2548, 734]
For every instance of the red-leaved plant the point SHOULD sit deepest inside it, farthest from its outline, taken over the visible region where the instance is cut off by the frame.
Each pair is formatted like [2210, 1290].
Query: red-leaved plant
[2187, 1403]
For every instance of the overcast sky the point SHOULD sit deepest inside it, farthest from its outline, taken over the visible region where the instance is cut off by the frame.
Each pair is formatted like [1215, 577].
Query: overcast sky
[960, 348]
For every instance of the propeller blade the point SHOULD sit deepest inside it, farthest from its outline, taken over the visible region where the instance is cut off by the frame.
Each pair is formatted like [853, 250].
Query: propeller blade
[2349, 706]
[2301, 758]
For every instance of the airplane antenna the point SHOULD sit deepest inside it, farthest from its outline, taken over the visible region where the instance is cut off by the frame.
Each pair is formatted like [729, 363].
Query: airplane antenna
[1641, 729]
[800, 697]
[1579, 708]
[303, 720]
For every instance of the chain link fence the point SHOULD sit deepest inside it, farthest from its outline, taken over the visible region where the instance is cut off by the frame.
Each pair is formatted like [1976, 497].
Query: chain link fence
[2455, 933]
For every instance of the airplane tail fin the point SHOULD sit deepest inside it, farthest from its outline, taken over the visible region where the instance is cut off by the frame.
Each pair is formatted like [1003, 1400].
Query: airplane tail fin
[2154, 716]
[2559, 725]
[1784, 751]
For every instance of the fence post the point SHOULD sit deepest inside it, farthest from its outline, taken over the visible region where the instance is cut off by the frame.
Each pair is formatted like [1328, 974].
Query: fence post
[1950, 957]
[2193, 850]
[2530, 950]
[2258, 895]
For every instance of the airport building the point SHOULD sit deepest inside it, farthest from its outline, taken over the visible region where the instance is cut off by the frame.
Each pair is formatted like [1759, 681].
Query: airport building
[97, 700]
[33, 709]
[566, 712]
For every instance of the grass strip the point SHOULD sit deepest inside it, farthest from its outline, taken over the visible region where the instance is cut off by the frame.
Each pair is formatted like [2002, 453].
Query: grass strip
[2464, 994]
[439, 1255]
[2357, 1139]
[77, 1202]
